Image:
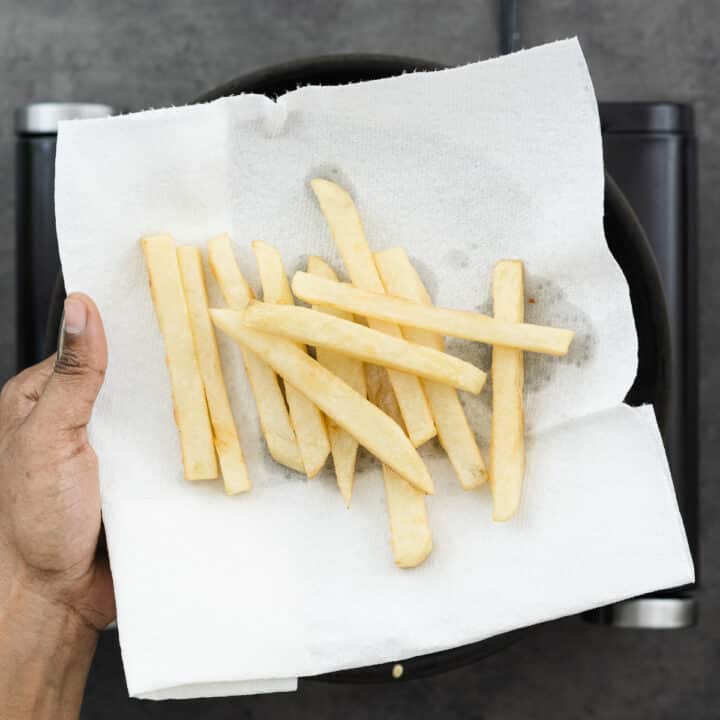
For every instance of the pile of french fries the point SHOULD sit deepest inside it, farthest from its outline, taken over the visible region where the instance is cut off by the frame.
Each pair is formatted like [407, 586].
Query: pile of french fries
[380, 376]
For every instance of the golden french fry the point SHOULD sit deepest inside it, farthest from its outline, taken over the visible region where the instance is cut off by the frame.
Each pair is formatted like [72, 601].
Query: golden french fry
[456, 437]
[507, 444]
[371, 427]
[227, 444]
[344, 446]
[272, 411]
[317, 266]
[307, 420]
[344, 449]
[458, 323]
[191, 412]
[364, 343]
[410, 534]
[235, 289]
[273, 278]
[347, 230]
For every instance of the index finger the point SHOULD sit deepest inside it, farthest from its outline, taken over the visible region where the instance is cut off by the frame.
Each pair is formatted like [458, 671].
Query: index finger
[20, 394]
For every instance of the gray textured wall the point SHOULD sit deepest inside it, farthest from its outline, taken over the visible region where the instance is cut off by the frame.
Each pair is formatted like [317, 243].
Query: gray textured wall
[140, 54]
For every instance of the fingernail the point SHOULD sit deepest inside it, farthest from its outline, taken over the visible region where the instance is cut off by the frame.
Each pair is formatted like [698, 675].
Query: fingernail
[75, 316]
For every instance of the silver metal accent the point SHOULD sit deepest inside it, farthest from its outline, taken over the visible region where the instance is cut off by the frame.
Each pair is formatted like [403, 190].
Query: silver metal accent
[649, 613]
[43, 118]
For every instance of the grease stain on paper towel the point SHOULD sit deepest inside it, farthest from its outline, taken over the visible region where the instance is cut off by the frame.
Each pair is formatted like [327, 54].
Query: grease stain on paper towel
[299, 265]
[426, 275]
[551, 308]
[457, 259]
[545, 304]
[364, 461]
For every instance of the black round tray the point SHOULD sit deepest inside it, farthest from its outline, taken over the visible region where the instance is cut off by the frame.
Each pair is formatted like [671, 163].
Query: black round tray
[625, 238]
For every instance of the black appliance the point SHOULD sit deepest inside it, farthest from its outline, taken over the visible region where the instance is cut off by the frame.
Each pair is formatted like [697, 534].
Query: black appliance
[649, 152]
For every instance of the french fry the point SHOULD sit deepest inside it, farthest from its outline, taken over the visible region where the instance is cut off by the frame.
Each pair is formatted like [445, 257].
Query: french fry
[235, 289]
[227, 444]
[344, 446]
[507, 445]
[347, 230]
[273, 278]
[272, 411]
[458, 323]
[401, 280]
[371, 427]
[191, 412]
[364, 343]
[307, 420]
[410, 534]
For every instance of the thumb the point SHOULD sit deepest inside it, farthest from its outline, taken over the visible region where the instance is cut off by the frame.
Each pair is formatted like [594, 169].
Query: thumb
[69, 396]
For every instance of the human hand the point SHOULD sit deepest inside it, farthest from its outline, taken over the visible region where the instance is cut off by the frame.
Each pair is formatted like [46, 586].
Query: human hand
[57, 591]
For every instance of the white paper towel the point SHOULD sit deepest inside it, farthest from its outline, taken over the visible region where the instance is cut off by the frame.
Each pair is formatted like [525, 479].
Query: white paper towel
[463, 167]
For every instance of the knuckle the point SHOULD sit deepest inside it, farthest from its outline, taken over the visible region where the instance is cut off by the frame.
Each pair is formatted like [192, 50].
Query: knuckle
[25, 387]
[73, 363]
[43, 447]
[9, 389]
[70, 363]
[77, 447]
[14, 403]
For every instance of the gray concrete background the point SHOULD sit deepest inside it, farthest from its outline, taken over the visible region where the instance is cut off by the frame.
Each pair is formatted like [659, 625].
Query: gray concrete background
[140, 54]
